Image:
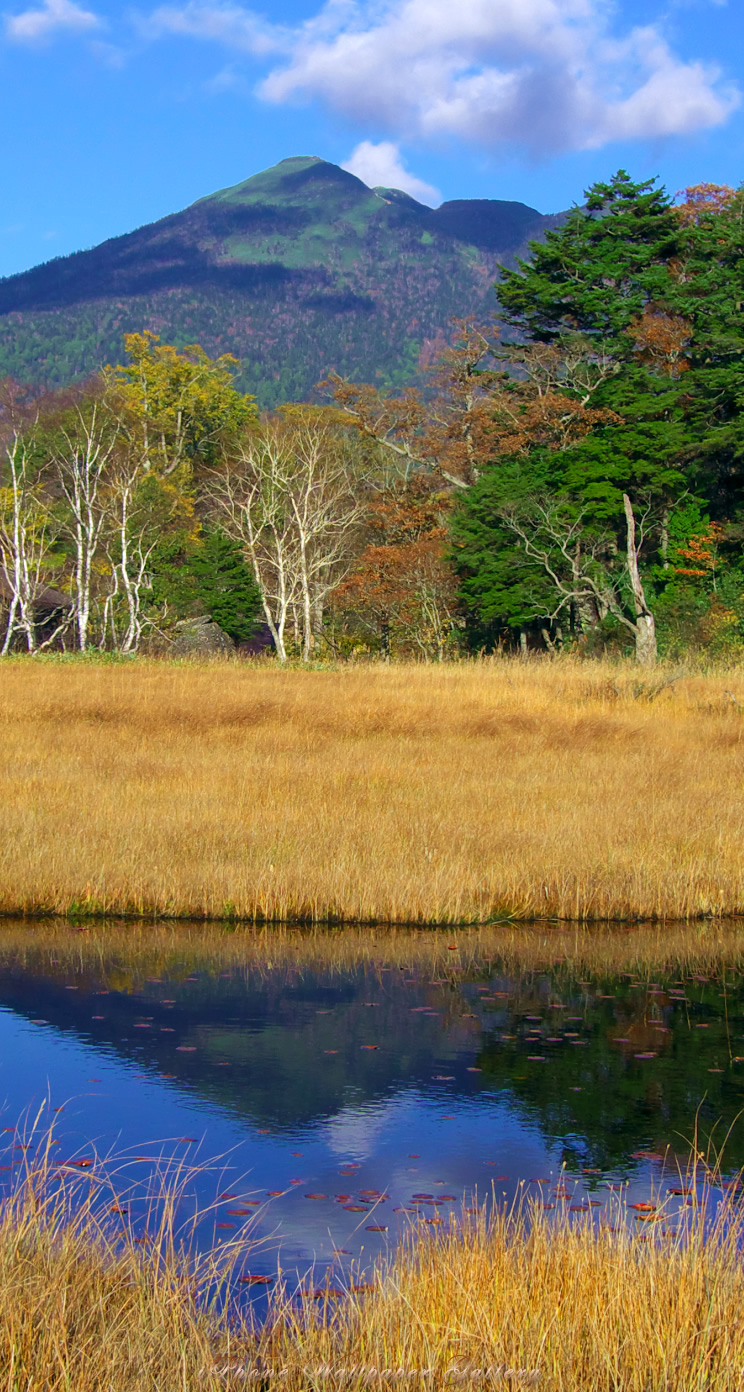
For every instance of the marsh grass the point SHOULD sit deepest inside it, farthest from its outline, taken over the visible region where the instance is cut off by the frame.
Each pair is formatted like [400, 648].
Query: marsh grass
[84, 1305]
[454, 794]
[589, 1309]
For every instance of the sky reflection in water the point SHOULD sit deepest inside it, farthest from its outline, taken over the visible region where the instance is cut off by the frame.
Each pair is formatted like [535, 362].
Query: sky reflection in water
[304, 1088]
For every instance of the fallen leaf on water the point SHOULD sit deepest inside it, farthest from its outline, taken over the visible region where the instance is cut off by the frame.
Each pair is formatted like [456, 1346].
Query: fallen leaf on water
[256, 1280]
[375, 1227]
[316, 1196]
[643, 1207]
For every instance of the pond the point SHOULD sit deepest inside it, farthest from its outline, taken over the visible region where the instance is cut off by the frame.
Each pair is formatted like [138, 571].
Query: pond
[327, 1099]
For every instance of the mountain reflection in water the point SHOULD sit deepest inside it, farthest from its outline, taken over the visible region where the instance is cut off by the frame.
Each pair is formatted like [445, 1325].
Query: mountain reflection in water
[352, 1099]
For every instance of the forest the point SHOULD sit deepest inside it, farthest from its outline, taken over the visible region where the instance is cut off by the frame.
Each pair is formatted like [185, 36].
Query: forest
[574, 482]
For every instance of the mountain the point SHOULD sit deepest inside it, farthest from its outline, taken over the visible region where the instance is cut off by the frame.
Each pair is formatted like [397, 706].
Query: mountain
[298, 270]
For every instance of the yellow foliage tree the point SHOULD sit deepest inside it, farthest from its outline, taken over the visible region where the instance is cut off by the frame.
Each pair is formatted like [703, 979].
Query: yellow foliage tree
[176, 407]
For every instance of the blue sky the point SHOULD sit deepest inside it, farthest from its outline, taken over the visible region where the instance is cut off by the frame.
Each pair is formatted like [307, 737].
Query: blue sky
[117, 113]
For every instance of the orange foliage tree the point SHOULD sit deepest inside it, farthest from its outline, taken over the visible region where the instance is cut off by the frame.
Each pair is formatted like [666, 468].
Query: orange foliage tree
[400, 598]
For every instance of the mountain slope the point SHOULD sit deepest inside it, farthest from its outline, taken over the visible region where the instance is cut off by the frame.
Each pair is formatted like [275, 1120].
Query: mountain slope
[298, 270]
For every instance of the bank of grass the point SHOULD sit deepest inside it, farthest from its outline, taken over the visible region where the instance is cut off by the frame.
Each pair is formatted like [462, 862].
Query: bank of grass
[84, 1307]
[455, 794]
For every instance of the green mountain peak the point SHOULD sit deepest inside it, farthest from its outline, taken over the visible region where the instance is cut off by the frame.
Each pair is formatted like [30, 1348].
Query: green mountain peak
[297, 270]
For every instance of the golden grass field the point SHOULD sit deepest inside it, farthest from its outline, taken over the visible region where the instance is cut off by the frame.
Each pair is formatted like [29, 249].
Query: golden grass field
[419, 794]
[85, 1308]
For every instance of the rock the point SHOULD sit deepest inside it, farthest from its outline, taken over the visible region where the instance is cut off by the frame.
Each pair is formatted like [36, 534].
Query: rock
[200, 638]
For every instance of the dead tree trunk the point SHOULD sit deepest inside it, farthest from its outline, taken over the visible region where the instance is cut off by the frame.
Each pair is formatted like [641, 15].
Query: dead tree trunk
[645, 625]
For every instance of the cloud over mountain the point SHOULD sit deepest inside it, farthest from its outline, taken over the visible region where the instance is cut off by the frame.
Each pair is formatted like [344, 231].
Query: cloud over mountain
[381, 166]
[548, 75]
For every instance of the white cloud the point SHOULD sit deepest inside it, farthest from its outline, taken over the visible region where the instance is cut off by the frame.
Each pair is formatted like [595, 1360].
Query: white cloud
[31, 26]
[548, 75]
[380, 166]
[544, 75]
[236, 28]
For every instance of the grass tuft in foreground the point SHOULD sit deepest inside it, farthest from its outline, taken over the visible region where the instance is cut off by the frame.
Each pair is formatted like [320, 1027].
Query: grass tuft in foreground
[589, 1310]
[456, 794]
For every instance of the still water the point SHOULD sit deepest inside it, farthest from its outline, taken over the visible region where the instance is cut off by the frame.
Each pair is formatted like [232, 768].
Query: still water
[337, 1104]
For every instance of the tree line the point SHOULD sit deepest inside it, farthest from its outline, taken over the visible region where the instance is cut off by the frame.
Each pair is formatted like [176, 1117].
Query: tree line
[574, 480]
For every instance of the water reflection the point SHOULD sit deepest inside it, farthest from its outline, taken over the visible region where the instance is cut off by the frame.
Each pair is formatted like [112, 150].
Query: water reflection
[345, 1101]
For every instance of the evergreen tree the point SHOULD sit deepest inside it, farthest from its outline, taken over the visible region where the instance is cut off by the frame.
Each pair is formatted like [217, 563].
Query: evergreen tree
[597, 272]
[225, 586]
[608, 278]
[709, 293]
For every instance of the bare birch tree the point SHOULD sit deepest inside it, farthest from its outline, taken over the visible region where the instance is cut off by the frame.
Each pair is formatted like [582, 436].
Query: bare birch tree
[27, 534]
[81, 464]
[582, 567]
[288, 496]
[130, 540]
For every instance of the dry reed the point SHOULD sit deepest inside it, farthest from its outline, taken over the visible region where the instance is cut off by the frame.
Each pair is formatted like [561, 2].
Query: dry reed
[571, 1306]
[454, 794]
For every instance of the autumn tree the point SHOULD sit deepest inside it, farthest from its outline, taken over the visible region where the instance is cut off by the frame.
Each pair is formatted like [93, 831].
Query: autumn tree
[176, 408]
[400, 596]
